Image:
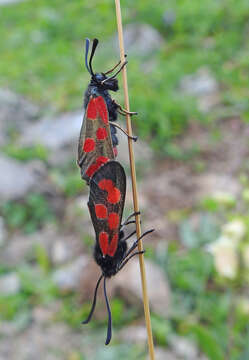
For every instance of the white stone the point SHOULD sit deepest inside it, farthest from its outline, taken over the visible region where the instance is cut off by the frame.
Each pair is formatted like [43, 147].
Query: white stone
[235, 229]
[3, 232]
[183, 347]
[67, 278]
[225, 253]
[9, 284]
[16, 179]
[128, 282]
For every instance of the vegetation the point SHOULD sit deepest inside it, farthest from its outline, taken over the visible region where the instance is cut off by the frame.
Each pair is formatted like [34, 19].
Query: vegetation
[42, 50]
[42, 56]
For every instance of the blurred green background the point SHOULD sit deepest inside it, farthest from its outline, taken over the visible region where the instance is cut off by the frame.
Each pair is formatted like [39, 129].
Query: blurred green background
[188, 79]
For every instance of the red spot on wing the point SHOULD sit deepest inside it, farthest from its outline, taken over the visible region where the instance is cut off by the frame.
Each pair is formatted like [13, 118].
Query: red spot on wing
[101, 160]
[113, 221]
[105, 184]
[103, 242]
[114, 195]
[91, 109]
[102, 109]
[96, 165]
[101, 211]
[91, 170]
[101, 134]
[113, 245]
[89, 145]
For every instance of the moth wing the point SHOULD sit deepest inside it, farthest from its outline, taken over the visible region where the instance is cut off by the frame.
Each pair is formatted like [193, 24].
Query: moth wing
[106, 204]
[95, 142]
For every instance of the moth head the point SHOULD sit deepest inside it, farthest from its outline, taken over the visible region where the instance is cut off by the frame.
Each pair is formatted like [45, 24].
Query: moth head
[101, 79]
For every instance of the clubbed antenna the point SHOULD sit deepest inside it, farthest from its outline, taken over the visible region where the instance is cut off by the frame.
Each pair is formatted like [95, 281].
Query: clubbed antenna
[95, 44]
[86, 54]
[109, 329]
[94, 302]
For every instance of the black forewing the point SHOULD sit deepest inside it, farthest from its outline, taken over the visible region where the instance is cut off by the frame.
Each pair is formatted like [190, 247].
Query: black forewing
[114, 171]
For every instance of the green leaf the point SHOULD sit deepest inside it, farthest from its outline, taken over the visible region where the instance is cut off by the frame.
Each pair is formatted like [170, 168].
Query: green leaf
[207, 342]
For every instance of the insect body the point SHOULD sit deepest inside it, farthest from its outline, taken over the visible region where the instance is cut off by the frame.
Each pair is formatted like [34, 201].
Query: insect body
[106, 204]
[98, 140]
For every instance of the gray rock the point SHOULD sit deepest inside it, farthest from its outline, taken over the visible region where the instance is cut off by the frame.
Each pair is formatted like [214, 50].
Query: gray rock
[211, 184]
[169, 18]
[204, 86]
[142, 151]
[15, 112]
[50, 342]
[134, 334]
[45, 314]
[20, 248]
[68, 277]
[183, 347]
[140, 39]
[9, 284]
[128, 283]
[16, 178]
[60, 252]
[3, 232]
[54, 133]
[201, 83]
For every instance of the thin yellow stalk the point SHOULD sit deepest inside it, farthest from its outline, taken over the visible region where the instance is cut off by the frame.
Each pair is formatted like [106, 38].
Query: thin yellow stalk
[134, 185]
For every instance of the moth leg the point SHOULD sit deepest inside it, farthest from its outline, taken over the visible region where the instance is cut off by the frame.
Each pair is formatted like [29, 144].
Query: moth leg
[130, 235]
[115, 66]
[127, 220]
[133, 247]
[134, 138]
[123, 111]
[135, 213]
[126, 261]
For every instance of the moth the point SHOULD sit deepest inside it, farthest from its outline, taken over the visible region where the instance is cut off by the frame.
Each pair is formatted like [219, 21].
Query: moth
[98, 141]
[106, 205]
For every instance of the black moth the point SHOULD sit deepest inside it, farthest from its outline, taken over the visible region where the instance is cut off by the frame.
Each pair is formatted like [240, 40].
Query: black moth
[100, 85]
[106, 203]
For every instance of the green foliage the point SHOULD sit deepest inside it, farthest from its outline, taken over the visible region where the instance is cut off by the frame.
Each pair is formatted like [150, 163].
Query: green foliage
[42, 258]
[37, 287]
[190, 271]
[206, 232]
[161, 329]
[11, 305]
[68, 181]
[28, 215]
[45, 44]
[207, 342]
[26, 153]
[72, 313]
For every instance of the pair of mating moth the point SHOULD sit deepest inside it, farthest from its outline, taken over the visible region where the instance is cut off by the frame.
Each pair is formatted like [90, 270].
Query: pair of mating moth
[97, 151]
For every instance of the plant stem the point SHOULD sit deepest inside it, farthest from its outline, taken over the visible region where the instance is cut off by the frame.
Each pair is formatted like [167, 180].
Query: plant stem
[134, 184]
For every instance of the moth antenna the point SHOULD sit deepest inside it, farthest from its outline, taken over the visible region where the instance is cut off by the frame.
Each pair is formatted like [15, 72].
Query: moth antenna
[94, 302]
[113, 76]
[109, 328]
[95, 44]
[86, 54]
